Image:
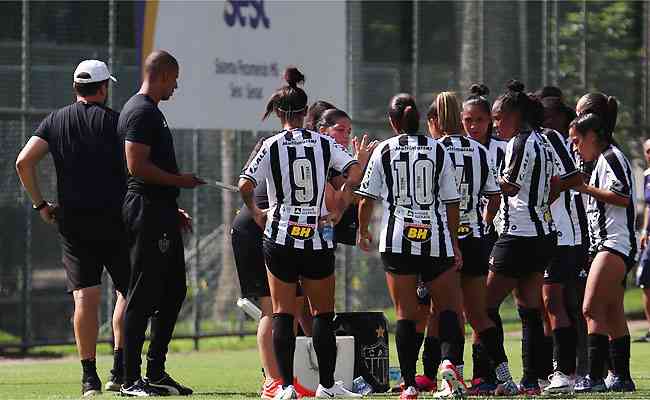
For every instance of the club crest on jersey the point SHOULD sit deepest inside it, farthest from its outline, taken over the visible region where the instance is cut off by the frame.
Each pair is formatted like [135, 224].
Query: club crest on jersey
[300, 232]
[417, 232]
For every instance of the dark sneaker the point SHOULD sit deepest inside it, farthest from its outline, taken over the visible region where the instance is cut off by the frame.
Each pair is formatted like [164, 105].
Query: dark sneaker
[589, 385]
[141, 388]
[529, 388]
[481, 387]
[114, 383]
[172, 387]
[619, 384]
[643, 339]
[91, 386]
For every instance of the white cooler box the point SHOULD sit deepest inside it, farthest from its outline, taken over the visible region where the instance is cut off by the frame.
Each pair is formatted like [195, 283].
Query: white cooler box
[305, 363]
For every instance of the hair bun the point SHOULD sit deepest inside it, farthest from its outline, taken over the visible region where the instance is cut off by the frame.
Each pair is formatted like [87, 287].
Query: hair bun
[293, 76]
[515, 86]
[479, 89]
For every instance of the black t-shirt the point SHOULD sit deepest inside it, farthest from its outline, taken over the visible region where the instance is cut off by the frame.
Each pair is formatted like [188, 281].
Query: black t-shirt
[88, 156]
[141, 121]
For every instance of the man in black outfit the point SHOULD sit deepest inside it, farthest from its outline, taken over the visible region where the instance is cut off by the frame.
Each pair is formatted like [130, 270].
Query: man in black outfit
[91, 183]
[154, 223]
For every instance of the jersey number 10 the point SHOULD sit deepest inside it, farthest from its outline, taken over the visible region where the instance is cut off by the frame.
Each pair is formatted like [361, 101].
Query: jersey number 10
[422, 171]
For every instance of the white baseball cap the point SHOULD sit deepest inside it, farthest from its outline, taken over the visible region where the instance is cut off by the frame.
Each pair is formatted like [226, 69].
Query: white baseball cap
[97, 70]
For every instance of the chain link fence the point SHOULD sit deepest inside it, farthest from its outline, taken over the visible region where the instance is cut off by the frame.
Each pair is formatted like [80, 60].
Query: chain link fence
[421, 47]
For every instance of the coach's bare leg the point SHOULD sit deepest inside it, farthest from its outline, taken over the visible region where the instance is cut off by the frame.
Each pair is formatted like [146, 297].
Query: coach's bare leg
[86, 307]
[118, 321]
[265, 339]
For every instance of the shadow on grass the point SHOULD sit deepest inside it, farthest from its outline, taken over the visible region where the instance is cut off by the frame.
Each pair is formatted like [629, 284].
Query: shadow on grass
[39, 355]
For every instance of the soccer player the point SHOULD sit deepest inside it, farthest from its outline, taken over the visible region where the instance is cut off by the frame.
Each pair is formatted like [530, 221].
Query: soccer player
[528, 241]
[611, 211]
[413, 177]
[154, 224]
[476, 181]
[294, 164]
[643, 271]
[88, 158]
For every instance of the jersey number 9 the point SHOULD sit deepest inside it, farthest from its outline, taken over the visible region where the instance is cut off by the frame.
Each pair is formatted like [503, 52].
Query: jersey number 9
[302, 173]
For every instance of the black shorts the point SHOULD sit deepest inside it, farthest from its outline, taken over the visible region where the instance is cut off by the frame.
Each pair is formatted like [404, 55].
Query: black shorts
[246, 239]
[475, 256]
[90, 243]
[582, 263]
[562, 266]
[289, 264]
[429, 268]
[519, 256]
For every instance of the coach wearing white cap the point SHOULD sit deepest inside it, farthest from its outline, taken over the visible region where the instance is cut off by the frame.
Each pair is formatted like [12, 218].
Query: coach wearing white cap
[91, 183]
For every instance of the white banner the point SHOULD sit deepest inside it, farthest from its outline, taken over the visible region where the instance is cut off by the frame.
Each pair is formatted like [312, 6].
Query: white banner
[232, 55]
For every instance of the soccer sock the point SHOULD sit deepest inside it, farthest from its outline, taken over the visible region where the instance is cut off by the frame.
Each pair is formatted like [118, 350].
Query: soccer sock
[565, 347]
[597, 347]
[493, 313]
[118, 363]
[431, 357]
[546, 357]
[284, 345]
[89, 367]
[325, 347]
[532, 331]
[419, 339]
[406, 352]
[451, 337]
[619, 349]
[493, 353]
[480, 362]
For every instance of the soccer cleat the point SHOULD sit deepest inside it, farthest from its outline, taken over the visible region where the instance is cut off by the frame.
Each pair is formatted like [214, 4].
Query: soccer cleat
[172, 387]
[589, 385]
[91, 386]
[337, 390]
[287, 393]
[529, 388]
[450, 374]
[480, 387]
[409, 394]
[114, 383]
[559, 383]
[425, 384]
[643, 339]
[543, 383]
[508, 388]
[445, 391]
[609, 380]
[270, 388]
[141, 388]
[619, 384]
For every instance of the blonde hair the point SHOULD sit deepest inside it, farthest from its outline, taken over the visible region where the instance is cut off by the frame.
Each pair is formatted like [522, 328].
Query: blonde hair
[448, 110]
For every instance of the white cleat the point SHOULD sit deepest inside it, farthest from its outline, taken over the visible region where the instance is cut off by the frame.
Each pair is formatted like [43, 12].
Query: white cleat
[338, 390]
[287, 393]
[560, 383]
[609, 380]
[452, 377]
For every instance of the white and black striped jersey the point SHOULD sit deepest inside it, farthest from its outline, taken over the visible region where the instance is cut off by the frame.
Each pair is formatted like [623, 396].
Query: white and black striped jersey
[294, 164]
[529, 166]
[497, 148]
[414, 178]
[578, 210]
[561, 207]
[611, 226]
[475, 176]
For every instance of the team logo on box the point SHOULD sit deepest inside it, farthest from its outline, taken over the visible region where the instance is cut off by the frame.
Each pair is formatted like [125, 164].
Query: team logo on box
[300, 232]
[417, 232]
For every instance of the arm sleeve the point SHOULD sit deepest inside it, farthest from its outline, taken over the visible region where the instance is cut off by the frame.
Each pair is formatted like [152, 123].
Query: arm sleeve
[142, 126]
[43, 130]
[341, 160]
[616, 180]
[517, 161]
[372, 182]
[447, 180]
[565, 166]
[258, 166]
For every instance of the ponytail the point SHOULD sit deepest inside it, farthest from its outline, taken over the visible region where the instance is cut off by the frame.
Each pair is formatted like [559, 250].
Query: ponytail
[448, 113]
[289, 100]
[605, 107]
[404, 113]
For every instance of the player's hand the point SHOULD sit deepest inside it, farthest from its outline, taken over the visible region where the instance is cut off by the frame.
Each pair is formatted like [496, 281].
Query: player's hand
[363, 240]
[48, 214]
[644, 241]
[458, 258]
[189, 181]
[363, 149]
[185, 221]
[333, 218]
[259, 216]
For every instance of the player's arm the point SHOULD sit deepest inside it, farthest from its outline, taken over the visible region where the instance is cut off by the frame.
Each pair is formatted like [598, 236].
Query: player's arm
[492, 208]
[644, 231]
[570, 177]
[139, 165]
[364, 238]
[604, 195]
[26, 167]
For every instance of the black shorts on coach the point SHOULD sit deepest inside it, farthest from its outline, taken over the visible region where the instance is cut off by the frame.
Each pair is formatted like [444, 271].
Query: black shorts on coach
[475, 256]
[246, 238]
[90, 242]
[519, 256]
[288, 264]
[429, 268]
[562, 266]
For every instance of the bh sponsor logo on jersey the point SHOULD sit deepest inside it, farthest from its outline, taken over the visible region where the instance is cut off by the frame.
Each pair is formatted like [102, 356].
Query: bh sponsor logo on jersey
[300, 231]
[246, 13]
[417, 232]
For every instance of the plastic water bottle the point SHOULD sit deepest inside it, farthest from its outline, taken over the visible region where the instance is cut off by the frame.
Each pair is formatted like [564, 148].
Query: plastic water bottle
[327, 232]
[359, 385]
[250, 308]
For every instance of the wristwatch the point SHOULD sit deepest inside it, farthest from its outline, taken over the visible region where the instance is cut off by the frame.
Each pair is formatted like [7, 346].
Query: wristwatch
[40, 205]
